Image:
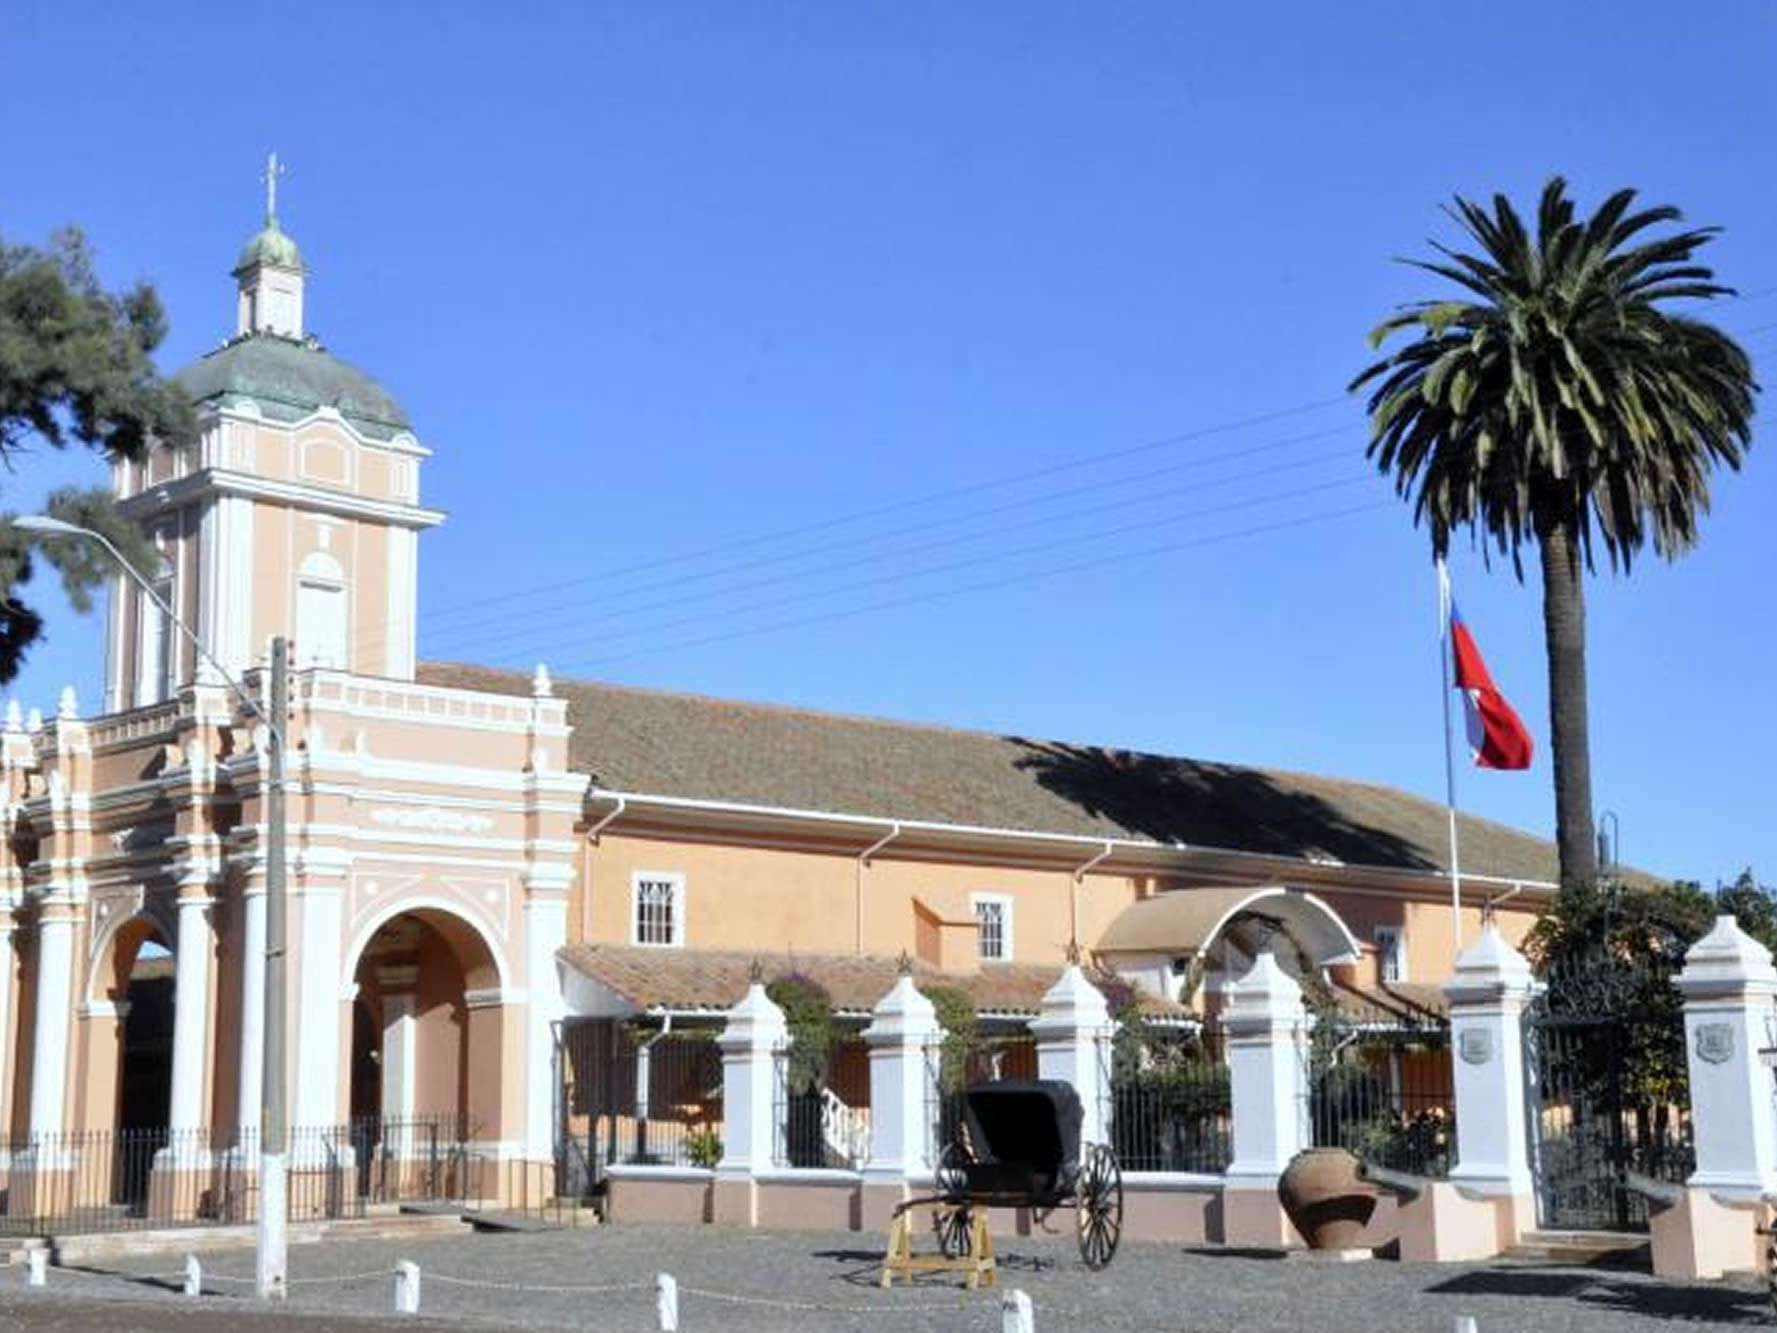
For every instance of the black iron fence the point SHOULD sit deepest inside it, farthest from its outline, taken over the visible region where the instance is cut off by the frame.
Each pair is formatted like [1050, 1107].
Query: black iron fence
[1171, 1105]
[1382, 1087]
[822, 1109]
[635, 1094]
[137, 1179]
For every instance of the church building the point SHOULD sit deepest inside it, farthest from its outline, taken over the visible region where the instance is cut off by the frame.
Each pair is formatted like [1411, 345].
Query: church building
[479, 860]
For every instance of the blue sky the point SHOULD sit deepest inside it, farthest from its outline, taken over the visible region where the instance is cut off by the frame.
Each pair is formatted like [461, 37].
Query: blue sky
[771, 351]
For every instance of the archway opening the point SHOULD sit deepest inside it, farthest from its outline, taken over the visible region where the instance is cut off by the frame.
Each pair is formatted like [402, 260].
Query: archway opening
[142, 991]
[426, 1052]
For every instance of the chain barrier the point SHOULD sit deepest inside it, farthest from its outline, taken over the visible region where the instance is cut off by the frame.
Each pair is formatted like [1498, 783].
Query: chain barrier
[558, 1289]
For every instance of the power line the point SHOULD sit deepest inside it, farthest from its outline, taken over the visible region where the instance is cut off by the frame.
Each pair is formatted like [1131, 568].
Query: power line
[899, 506]
[987, 585]
[976, 534]
[859, 585]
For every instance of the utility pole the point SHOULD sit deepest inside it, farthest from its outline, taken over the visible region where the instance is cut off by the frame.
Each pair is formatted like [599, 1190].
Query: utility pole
[271, 1267]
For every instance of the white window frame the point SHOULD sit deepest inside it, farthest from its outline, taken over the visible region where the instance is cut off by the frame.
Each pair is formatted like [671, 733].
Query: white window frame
[675, 880]
[1391, 941]
[321, 573]
[1004, 902]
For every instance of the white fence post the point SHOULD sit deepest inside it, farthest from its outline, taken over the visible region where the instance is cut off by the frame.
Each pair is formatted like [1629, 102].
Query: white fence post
[903, 1029]
[1491, 985]
[194, 1276]
[1266, 1024]
[666, 1302]
[407, 1287]
[1015, 1313]
[36, 1266]
[1071, 1032]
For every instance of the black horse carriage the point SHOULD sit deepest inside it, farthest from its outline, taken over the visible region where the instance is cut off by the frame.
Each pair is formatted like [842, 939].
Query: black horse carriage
[1016, 1145]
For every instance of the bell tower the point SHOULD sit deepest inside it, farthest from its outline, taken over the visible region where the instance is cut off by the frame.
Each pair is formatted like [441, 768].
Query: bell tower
[296, 512]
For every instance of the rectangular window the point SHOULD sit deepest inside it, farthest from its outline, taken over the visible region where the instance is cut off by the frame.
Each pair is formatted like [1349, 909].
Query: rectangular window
[659, 908]
[993, 920]
[1391, 953]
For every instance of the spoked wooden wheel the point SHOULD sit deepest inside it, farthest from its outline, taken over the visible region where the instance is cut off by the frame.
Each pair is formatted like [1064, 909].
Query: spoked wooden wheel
[952, 1223]
[1771, 1268]
[1100, 1201]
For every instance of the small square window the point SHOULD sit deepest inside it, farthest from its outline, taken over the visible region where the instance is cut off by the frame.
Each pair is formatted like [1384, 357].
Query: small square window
[993, 920]
[1391, 953]
[658, 915]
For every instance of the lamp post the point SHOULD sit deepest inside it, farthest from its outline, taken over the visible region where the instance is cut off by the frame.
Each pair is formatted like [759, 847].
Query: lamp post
[270, 1263]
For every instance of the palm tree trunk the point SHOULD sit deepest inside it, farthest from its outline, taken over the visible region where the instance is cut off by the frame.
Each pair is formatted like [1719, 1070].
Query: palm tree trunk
[1564, 630]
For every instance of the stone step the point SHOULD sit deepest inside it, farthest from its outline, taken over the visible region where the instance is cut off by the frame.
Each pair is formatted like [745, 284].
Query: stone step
[1578, 1247]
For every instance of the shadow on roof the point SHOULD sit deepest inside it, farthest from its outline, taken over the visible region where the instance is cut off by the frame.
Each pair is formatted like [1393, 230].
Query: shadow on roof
[1214, 805]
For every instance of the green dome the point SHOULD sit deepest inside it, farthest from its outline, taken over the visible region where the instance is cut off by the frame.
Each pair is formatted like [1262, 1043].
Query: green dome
[288, 380]
[270, 246]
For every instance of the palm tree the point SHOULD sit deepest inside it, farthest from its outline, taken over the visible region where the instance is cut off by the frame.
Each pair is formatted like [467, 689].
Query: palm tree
[1558, 400]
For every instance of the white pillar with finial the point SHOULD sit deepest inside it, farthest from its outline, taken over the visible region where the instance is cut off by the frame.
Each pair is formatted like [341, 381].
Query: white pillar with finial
[1073, 1034]
[750, 1043]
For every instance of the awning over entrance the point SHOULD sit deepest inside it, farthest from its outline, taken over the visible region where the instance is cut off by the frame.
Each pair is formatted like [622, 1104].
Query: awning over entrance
[1185, 922]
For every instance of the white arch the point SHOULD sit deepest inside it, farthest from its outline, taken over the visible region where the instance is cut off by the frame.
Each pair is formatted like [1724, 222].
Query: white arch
[416, 903]
[320, 565]
[106, 940]
[1189, 921]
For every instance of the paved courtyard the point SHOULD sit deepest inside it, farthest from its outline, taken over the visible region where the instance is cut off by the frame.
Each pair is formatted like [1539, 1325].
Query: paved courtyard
[748, 1281]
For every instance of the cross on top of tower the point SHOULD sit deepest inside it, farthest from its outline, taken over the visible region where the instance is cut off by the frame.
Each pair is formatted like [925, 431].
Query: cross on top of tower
[273, 169]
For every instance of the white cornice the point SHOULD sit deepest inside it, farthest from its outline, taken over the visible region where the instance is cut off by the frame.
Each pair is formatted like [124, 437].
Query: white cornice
[221, 481]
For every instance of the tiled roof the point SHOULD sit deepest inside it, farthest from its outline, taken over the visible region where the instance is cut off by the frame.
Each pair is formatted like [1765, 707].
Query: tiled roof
[685, 745]
[714, 979]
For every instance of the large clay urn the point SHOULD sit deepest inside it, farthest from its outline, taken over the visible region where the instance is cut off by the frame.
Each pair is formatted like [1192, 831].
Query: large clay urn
[1324, 1198]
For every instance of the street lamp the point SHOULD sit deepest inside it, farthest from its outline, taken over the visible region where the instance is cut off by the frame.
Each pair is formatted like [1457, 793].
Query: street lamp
[270, 1265]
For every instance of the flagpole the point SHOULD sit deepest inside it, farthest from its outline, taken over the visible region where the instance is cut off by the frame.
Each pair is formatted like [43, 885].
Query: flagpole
[1449, 754]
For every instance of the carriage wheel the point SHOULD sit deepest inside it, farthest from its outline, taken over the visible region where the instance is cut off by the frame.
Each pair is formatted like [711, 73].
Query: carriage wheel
[952, 1223]
[1100, 1201]
[1771, 1268]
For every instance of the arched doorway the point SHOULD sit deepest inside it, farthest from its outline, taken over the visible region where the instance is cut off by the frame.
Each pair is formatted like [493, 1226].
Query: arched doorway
[426, 1055]
[141, 990]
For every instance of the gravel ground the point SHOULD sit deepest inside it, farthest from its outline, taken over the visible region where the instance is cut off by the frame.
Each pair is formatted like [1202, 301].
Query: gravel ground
[752, 1281]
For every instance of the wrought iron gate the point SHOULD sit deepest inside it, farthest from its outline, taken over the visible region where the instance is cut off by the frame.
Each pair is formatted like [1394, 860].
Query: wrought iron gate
[1606, 1090]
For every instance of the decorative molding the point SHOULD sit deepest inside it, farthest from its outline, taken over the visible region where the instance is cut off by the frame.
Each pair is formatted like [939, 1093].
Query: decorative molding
[432, 819]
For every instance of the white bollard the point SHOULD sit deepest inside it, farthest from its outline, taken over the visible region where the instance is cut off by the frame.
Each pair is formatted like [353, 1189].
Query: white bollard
[36, 1267]
[1015, 1316]
[407, 1287]
[1465, 1323]
[666, 1302]
[194, 1276]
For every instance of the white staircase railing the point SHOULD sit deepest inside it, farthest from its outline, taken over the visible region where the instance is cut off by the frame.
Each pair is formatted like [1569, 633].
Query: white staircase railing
[846, 1130]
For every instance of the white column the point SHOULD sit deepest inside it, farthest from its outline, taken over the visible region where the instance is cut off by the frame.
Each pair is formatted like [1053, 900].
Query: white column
[903, 1036]
[252, 1056]
[755, 1031]
[1073, 1032]
[398, 1057]
[545, 932]
[1265, 1024]
[191, 1011]
[1487, 993]
[1729, 989]
[55, 1001]
[315, 1074]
